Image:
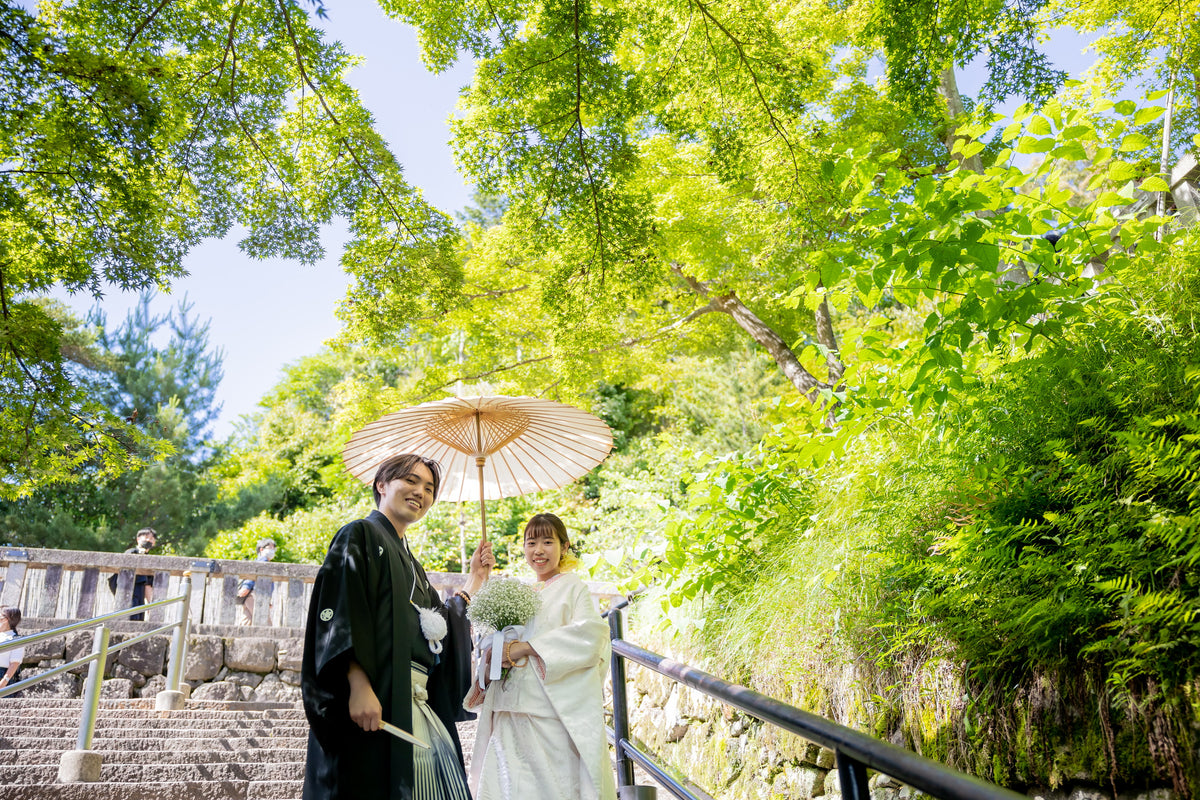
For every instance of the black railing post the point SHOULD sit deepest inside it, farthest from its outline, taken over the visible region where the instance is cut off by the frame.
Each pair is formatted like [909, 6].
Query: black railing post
[620, 707]
[852, 776]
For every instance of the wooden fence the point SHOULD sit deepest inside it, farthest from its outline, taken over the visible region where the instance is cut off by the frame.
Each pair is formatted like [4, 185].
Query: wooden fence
[61, 585]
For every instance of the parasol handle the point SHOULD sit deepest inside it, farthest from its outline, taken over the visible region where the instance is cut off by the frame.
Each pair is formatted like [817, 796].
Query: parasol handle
[479, 462]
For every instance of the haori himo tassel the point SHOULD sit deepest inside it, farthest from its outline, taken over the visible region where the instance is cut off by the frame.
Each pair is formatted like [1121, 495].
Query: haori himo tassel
[433, 628]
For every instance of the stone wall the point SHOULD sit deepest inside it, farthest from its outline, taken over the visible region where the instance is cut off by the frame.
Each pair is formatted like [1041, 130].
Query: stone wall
[263, 667]
[734, 756]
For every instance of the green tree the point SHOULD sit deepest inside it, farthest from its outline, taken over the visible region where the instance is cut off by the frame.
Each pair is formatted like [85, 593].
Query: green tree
[165, 390]
[150, 383]
[127, 135]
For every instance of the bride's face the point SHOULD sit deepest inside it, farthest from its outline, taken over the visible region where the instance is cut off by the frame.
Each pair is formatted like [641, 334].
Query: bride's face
[543, 552]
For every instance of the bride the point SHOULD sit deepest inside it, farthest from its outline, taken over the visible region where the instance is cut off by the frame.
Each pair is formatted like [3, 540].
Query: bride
[541, 728]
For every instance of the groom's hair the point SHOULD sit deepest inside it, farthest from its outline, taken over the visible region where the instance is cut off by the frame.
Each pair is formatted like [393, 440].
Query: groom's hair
[401, 465]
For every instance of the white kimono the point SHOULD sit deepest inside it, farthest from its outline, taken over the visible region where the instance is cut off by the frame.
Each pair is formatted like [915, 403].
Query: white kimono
[541, 728]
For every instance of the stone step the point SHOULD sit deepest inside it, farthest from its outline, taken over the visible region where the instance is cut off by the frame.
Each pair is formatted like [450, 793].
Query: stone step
[256, 770]
[147, 703]
[205, 755]
[138, 717]
[168, 729]
[275, 790]
[193, 790]
[104, 743]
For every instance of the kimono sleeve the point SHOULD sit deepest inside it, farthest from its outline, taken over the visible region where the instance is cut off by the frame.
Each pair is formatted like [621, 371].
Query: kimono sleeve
[339, 628]
[581, 642]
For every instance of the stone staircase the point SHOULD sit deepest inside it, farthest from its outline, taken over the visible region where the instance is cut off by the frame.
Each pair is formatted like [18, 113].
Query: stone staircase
[212, 750]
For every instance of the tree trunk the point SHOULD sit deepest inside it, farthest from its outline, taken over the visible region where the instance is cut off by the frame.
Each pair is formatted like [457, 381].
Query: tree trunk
[828, 339]
[774, 344]
[808, 384]
[948, 85]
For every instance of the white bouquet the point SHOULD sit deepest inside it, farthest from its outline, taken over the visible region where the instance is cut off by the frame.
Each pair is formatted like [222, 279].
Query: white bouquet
[502, 608]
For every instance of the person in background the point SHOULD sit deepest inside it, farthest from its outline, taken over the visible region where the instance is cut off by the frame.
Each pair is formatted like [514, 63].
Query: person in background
[143, 585]
[245, 593]
[10, 660]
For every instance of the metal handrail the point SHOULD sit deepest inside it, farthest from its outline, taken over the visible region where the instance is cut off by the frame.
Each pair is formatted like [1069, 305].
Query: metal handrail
[855, 752]
[71, 627]
[97, 659]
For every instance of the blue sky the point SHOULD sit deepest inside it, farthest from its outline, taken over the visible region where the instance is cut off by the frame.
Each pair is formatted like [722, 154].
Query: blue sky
[267, 314]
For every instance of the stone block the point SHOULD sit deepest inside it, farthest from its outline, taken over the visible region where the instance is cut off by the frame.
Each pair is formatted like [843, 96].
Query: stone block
[119, 670]
[1156, 794]
[290, 677]
[832, 784]
[205, 656]
[64, 685]
[146, 657]
[272, 689]
[1047, 795]
[677, 732]
[881, 781]
[806, 752]
[800, 782]
[250, 654]
[154, 685]
[251, 679]
[826, 758]
[219, 690]
[288, 654]
[79, 644]
[44, 651]
[117, 689]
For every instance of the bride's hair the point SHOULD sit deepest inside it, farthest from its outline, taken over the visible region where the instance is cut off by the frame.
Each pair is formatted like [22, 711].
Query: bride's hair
[541, 524]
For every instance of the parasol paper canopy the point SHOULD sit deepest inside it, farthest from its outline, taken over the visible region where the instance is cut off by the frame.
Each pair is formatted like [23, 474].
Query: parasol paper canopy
[489, 447]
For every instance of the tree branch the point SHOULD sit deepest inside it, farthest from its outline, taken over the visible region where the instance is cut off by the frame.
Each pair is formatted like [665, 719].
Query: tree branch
[663, 331]
[737, 44]
[582, 149]
[729, 303]
[368, 174]
[145, 23]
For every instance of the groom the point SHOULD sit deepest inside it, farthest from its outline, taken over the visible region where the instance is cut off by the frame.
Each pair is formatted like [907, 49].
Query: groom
[367, 654]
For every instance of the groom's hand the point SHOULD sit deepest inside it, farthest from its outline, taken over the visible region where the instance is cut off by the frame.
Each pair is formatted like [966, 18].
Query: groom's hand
[365, 709]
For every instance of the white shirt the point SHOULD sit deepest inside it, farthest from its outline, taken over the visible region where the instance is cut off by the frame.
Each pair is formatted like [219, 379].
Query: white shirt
[10, 656]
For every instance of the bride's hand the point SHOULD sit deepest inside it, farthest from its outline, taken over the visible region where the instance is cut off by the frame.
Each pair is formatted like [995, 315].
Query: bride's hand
[516, 652]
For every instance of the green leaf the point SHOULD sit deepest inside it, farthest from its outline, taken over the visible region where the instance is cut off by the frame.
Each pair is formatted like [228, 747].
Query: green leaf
[1154, 183]
[1133, 142]
[1039, 126]
[1071, 151]
[1028, 144]
[971, 148]
[1148, 114]
[1121, 171]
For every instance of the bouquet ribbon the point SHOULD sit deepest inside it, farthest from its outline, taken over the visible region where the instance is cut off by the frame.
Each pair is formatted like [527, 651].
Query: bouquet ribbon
[491, 665]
